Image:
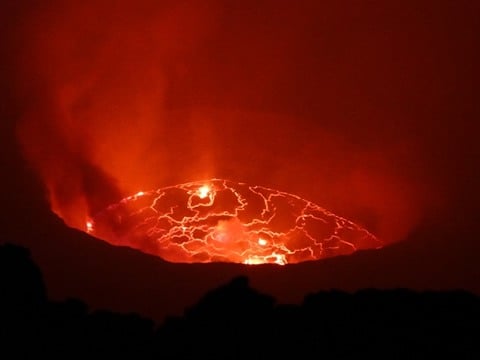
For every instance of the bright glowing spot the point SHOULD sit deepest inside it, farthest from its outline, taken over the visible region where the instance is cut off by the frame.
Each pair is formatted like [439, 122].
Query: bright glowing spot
[89, 225]
[271, 259]
[254, 261]
[140, 193]
[262, 242]
[203, 191]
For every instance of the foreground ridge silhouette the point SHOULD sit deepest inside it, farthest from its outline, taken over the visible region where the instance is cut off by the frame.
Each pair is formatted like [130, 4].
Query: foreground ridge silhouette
[235, 321]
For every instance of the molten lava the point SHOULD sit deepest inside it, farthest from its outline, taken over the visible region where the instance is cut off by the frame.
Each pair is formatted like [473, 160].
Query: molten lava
[224, 221]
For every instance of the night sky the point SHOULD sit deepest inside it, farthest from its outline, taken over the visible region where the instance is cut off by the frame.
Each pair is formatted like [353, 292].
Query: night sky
[367, 108]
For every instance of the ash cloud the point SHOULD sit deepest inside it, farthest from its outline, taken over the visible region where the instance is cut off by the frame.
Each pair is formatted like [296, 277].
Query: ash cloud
[364, 109]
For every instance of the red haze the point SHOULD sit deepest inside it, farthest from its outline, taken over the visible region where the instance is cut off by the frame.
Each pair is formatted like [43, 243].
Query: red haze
[338, 103]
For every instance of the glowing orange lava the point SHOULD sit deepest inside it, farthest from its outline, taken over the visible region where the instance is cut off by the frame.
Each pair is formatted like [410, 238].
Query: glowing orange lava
[221, 220]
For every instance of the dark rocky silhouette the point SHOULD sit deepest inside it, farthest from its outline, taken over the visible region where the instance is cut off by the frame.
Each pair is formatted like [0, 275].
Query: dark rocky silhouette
[235, 321]
[21, 281]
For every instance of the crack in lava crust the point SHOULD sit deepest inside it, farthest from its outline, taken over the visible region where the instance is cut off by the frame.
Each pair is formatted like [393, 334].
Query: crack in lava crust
[220, 220]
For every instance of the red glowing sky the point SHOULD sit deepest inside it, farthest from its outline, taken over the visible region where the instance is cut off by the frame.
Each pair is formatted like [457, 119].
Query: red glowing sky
[366, 108]
[126, 96]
